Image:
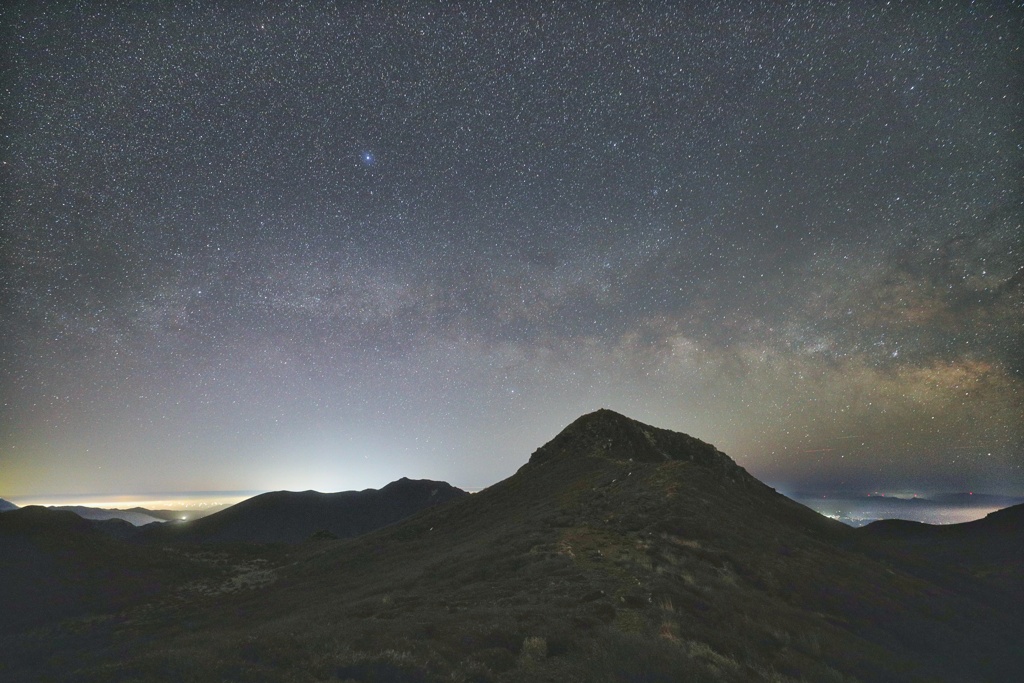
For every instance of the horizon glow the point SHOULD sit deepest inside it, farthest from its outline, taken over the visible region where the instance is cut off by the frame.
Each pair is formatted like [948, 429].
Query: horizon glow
[183, 500]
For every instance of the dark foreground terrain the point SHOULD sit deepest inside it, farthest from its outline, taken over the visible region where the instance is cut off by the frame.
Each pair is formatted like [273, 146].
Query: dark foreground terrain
[620, 552]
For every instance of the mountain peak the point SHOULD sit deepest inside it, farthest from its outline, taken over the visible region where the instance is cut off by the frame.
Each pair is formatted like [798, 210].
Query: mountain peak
[607, 434]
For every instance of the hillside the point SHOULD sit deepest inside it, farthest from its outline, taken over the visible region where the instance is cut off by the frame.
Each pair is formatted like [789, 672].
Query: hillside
[292, 517]
[619, 552]
[989, 549]
[56, 565]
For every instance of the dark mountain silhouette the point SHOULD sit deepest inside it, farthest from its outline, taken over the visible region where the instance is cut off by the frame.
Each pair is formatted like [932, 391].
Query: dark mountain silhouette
[292, 517]
[860, 510]
[994, 524]
[619, 552]
[55, 565]
[991, 548]
[6, 505]
[138, 516]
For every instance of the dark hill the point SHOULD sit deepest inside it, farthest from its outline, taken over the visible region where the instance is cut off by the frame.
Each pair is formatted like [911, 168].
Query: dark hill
[7, 506]
[619, 552]
[56, 565]
[991, 548]
[292, 517]
[1006, 521]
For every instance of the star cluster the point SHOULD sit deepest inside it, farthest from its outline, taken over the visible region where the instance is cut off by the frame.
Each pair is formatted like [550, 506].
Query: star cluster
[300, 245]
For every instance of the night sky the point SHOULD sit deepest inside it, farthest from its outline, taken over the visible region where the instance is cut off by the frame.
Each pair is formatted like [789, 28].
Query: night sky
[296, 246]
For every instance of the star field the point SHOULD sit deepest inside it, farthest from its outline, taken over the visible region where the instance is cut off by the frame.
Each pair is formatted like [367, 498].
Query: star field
[294, 245]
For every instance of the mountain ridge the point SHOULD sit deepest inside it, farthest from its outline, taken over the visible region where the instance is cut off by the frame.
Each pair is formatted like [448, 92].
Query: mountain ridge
[292, 517]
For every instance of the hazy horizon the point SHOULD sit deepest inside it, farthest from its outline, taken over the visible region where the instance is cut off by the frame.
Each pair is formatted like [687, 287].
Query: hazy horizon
[854, 508]
[215, 497]
[160, 500]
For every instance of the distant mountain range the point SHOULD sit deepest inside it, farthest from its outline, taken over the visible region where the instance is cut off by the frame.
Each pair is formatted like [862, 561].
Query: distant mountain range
[136, 517]
[619, 552]
[276, 517]
[858, 510]
[960, 499]
[292, 517]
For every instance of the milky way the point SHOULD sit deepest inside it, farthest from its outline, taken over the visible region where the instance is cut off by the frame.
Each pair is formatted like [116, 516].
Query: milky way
[296, 246]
